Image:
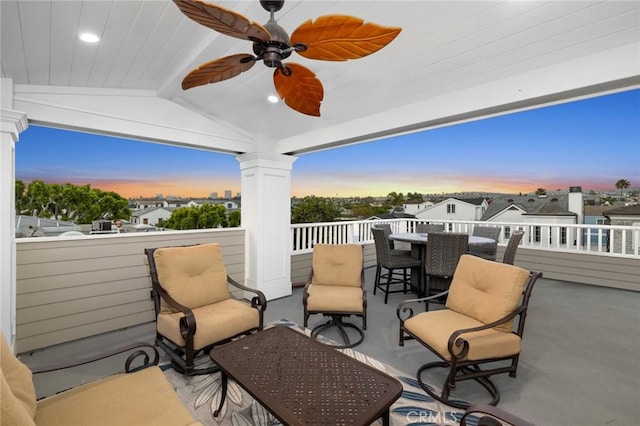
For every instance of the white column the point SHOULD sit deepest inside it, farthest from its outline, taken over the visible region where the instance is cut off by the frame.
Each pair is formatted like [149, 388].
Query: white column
[266, 216]
[13, 123]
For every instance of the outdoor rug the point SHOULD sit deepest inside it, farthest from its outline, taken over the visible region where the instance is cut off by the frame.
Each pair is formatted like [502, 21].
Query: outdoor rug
[201, 394]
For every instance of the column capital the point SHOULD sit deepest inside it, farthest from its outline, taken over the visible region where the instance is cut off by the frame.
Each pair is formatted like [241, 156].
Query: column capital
[13, 122]
[261, 159]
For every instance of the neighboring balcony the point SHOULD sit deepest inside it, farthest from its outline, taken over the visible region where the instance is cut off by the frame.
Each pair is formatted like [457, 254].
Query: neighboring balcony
[73, 287]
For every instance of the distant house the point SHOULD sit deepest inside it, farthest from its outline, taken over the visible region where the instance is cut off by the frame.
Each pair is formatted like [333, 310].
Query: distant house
[145, 203]
[625, 216]
[533, 209]
[413, 208]
[454, 209]
[593, 215]
[151, 215]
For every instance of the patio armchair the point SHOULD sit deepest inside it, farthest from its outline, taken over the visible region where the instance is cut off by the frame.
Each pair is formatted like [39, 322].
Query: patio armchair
[194, 308]
[336, 289]
[394, 262]
[482, 323]
[512, 246]
[486, 251]
[141, 396]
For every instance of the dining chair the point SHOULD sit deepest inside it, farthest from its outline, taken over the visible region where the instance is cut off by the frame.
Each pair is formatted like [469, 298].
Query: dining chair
[486, 251]
[510, 252]
[388, 231]
[426, 228]
[396, 264]
[442, 255]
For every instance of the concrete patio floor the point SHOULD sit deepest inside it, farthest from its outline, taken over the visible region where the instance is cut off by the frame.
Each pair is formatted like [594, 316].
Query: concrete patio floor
[580, 362]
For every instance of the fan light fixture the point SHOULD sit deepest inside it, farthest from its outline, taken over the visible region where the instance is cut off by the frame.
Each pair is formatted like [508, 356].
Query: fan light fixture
[328, 38]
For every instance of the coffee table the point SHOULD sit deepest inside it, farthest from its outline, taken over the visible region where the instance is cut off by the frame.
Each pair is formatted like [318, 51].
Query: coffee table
[304, 382]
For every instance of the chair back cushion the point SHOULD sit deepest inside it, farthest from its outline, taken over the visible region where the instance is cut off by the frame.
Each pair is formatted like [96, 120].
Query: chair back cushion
[17, 392]
[486, 290]
[338, 265]
[193, 276]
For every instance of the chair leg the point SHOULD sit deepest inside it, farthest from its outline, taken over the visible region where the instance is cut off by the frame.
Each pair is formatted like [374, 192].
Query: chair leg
[377, 279]
[474, 373]
[336, 321]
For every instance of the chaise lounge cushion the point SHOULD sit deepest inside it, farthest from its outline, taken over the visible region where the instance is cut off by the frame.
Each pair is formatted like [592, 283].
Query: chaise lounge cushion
[193, 276]
[18, 394]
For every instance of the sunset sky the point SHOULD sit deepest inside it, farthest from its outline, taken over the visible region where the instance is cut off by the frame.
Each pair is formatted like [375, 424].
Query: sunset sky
[590, 143]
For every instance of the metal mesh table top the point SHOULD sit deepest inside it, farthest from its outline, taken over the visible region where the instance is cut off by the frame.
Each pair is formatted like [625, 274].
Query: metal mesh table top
[303, 382]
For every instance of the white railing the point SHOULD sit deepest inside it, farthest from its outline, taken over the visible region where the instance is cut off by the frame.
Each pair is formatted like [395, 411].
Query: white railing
[610, 240]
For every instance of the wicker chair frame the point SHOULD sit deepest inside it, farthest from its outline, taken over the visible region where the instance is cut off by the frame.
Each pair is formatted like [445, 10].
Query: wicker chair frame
[395, 262]
[442, 255]
[486, 251]
[427, 228]
[510, 252]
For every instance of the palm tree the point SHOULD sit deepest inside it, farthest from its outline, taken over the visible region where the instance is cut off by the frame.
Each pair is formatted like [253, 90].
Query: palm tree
[622, 184]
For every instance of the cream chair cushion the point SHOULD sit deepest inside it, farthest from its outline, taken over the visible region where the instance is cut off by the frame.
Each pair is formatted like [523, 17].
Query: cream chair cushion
[337, 265]
[331, 298]
[485, 290]
[142, 398]
[435, 327]
[18, 394]
[215, 322]
[193, 276]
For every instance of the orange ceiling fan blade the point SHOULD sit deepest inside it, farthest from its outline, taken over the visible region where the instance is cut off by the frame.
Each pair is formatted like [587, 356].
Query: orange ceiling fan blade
[300, 90]
[218, 70]
[341, 37]
[223, 20]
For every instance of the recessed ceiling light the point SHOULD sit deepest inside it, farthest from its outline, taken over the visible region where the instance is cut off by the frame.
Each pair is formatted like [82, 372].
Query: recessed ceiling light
[89, 37]
[273, 99]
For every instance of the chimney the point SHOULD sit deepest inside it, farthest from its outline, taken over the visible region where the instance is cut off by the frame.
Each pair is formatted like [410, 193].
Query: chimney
[576, 203]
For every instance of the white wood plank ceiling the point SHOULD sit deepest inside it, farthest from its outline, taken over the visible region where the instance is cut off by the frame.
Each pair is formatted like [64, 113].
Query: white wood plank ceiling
[445, 47]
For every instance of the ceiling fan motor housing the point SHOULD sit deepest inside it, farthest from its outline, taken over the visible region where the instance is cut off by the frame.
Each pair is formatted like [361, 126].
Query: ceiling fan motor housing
[278, 47]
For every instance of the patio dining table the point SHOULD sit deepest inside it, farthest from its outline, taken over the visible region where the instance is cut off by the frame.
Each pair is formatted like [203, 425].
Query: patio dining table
[418, 243]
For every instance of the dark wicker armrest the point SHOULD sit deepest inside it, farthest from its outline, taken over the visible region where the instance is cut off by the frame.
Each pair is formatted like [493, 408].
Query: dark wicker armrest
[456, 340]
[258, 301]
[494, 413]
[140, 349]
[403, 307]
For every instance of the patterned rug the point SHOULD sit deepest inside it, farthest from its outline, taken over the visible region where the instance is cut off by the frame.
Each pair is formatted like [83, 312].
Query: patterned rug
[201, 394]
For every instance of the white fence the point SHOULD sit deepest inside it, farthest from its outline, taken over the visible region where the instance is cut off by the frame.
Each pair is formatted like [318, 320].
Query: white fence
[608, 240]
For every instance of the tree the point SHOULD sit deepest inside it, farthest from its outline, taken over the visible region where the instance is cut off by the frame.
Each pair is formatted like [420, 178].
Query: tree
[414, 197]
[79, 204]
[395, 199]
[541, 191]
[622, 184]
[199, 217]
[314, 209]
[234, 219]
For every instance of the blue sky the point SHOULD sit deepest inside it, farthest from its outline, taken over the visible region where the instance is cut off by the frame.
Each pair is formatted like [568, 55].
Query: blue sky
[590, 143]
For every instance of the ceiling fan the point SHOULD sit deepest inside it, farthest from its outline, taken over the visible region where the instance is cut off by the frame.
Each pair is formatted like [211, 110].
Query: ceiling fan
[328, 38]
